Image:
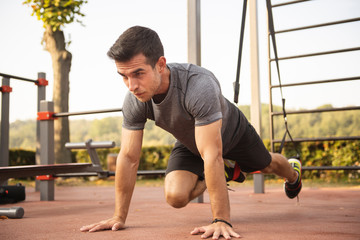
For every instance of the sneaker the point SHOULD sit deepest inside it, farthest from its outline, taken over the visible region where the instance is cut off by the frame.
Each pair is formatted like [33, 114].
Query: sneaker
[292, 190]
[233, 171]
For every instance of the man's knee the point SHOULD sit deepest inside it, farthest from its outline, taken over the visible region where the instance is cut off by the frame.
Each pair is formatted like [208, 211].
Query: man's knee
[177, 199]
[272, 165]
[178, 187]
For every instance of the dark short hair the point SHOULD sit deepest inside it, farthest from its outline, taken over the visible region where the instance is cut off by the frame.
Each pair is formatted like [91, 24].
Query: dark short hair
[134, 41]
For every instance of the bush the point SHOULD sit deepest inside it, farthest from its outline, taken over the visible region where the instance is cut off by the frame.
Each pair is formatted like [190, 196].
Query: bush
[19, 157]
[329, 153]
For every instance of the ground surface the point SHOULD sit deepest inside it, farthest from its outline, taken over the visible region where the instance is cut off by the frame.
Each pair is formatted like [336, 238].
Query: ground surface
[323, 213]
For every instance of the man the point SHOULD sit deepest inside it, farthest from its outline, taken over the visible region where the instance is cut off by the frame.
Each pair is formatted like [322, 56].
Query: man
[186, 101]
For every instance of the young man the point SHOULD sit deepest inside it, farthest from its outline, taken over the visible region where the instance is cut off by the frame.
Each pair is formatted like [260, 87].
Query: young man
[186, 101]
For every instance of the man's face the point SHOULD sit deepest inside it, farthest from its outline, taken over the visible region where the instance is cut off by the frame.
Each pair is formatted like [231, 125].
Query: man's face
[139, 77]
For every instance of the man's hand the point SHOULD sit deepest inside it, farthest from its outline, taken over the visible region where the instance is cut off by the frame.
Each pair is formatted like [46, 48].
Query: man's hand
[113, 223]
[216, 230]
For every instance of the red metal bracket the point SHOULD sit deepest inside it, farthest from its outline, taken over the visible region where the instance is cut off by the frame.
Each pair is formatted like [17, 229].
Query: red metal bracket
[6, 88]
[45, 116]
[45, 177]
[42, 82]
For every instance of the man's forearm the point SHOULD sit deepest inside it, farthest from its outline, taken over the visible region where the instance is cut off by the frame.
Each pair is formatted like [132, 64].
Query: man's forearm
[216, 185]
[125, 178]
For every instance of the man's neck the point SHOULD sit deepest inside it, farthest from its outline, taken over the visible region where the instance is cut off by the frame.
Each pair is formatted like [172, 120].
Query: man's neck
[165, 84]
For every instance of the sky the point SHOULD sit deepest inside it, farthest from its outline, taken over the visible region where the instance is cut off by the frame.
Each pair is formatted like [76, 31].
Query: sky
[94, 83]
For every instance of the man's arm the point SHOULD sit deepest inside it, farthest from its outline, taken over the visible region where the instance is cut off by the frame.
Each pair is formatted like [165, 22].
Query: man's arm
[209, 143]
[125, 177]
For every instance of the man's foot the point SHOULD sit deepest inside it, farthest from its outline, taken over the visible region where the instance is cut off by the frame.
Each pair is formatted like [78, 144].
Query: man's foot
[233, 171]
[293, 189]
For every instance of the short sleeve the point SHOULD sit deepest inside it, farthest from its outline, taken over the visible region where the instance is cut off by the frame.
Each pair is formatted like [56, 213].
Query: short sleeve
[134, 113]
[203, 99]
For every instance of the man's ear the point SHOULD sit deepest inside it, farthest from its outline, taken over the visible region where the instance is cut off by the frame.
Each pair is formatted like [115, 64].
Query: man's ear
[161, 64]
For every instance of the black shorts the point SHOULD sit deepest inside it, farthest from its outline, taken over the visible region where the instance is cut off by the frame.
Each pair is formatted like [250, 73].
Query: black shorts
[250, 153]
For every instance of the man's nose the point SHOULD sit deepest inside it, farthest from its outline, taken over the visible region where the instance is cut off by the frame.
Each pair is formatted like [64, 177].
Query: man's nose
[133, 85]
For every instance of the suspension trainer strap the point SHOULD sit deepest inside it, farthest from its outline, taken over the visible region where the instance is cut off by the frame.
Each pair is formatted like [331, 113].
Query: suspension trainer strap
[237, 80]
[272, 34]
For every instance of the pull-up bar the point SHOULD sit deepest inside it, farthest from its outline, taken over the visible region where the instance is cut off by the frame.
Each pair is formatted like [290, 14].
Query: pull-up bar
[40, 81]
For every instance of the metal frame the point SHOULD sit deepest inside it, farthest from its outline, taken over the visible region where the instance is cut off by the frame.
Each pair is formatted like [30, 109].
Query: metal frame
[5, 109]
[271, 87]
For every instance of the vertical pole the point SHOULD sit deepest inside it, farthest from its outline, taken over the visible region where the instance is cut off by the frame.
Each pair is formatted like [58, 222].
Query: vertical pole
[271, 108]
[40, 96]
[4, 140]
[194, 45]
[255, 112]
[194, 33]
[47, 154]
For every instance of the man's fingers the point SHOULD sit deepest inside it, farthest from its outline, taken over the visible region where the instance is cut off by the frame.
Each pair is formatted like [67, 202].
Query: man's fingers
[99, 227]
[87, 227]
[197, 230]
[216, 232]
[117, 226]
[234, 234]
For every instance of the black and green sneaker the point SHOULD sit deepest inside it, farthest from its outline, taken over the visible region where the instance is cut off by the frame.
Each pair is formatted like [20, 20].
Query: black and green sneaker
[292, 190]
[233, 171]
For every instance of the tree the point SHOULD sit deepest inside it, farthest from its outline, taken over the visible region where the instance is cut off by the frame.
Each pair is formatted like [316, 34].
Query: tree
[55, 14]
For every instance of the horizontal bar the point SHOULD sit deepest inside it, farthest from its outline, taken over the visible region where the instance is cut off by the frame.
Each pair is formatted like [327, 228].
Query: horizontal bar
[18, 78]
[317, 82]
[319, 53]
[317, 110]
[331, 168]
[80, 174]
[288, 3]
[150, 172]
[82, 145]
[318, 25]
[67, 114]
[319, 139]
[94, 174]
[36, 170]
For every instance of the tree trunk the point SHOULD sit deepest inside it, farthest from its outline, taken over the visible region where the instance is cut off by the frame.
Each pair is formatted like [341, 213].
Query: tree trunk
[61, 61]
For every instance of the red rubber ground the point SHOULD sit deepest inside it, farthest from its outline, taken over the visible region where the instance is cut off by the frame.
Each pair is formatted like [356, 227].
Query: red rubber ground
[322, 214]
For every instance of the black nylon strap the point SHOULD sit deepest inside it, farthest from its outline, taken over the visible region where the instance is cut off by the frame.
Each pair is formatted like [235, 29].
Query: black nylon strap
[220, 220]
[272, 34]
[237, 80]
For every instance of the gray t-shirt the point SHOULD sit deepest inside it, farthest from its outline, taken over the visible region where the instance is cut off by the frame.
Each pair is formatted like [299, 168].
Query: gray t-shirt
[194, 99]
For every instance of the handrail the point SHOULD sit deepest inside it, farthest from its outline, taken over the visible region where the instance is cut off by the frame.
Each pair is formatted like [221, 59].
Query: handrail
[319, 139]
[317, 54]
[289, 3]
[317, 110]
[318, 25]
[18, 78]
[317, 82]
[67, 114]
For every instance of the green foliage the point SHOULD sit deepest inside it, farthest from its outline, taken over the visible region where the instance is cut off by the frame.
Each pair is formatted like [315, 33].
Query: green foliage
[154, 158]
[22, 133]
[106, 129]
[56, 13]
[151, 158]
[330, 153]
[19, 157]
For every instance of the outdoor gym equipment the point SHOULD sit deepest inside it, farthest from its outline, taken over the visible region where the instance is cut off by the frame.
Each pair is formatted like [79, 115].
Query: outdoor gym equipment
[13, 212]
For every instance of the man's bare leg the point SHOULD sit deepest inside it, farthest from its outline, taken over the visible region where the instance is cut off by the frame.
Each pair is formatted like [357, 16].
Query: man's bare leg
[181, 187]
[280, 166]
